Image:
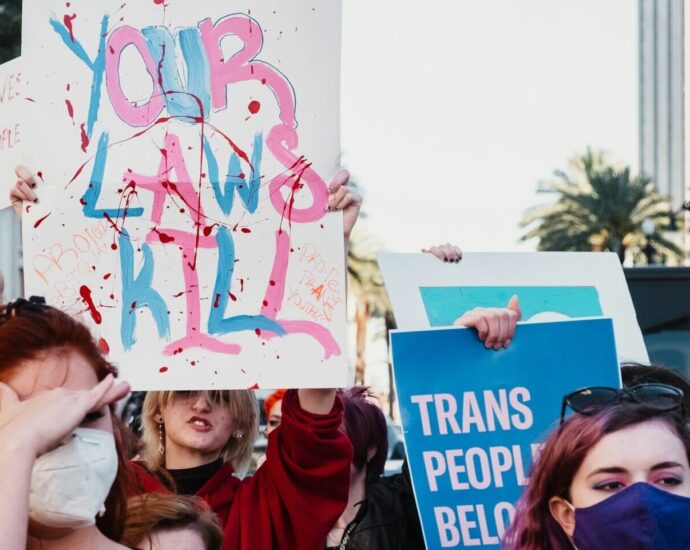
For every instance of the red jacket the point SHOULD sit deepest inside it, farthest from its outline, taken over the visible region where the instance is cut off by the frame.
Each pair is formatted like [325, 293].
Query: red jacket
[295, 498]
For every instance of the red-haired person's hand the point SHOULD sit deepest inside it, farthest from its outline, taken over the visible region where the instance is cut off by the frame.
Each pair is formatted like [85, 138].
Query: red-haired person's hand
[37, 424]
[495, 326]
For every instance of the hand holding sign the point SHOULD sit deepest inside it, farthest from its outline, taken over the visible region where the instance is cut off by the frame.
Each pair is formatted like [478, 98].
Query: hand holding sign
[23, 190]
[495, 326]
[445, 252]
[342, 197]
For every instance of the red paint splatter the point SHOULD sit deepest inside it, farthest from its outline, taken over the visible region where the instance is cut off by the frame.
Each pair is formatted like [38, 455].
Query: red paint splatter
[67, 20]
[40, 175]
[179, 294]
[254, 387]
[68, 86]
[160, 68]
[265, 302]
[272, 283]
[112, 223]
[246, 230]
[76, 174]
[163, 369]
[84, 138]
[208, 229]
[70, 110]
[85, 293]
[254, 107]
[158, 2]
[32, 100]
[241, 285]
[164, 237]
[232, 296]
[113, 246]
[107, 276]
[215, 302]
[133, 305]
[258, 331]
[103, 344]
[192, 363]
[39, 222]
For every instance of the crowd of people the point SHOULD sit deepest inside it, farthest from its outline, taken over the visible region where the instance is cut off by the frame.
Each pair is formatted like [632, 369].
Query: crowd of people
[75, 477]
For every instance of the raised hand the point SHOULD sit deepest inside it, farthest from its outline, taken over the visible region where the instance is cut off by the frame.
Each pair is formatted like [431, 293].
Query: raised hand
[342, 197]
[495, 326]
[23, 190]
[445, 252]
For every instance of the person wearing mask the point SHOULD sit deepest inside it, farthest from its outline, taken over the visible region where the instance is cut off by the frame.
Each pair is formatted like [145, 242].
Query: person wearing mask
[616, 474]
[60, 470]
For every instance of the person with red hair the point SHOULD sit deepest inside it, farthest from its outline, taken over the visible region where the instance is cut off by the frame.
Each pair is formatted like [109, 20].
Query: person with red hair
[616, 474]
[273, 409]
[62, 471]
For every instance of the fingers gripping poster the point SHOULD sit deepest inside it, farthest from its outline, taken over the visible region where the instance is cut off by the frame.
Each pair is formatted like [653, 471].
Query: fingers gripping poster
[183, 152]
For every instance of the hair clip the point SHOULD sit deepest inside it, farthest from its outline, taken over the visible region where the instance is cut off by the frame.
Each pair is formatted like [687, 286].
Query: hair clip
[20, 306]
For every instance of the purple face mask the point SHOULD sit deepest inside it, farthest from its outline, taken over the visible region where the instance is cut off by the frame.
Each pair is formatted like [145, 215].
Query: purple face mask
[640, 517]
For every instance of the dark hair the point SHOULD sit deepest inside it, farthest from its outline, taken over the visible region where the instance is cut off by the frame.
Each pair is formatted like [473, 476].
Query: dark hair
[156, 512]
[637, 373]
[28, 331]
[365, 426]
[560, 458]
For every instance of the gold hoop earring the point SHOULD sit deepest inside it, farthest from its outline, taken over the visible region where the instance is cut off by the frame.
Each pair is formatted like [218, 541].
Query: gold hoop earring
[161, 440]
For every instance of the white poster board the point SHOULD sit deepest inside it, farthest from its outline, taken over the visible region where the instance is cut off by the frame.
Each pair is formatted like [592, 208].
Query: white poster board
[10, 125]
[183, 151]
[426, 292]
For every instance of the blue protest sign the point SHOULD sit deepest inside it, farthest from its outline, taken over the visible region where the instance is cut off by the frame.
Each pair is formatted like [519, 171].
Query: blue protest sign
[473, 418]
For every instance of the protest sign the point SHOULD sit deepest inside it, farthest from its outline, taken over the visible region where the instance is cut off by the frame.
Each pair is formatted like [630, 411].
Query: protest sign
[183, 151]
[550, 286]
[10, 126]
[473, 418]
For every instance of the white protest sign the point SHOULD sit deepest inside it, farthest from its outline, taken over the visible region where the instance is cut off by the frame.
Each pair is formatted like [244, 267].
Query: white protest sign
[183, 151]
[10, 125]
[551, 286]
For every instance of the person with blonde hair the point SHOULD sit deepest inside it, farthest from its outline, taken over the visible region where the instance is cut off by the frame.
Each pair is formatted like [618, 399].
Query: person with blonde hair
[156, 522]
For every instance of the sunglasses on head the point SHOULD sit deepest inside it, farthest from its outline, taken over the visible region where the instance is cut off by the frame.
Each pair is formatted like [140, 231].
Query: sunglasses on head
[657, 397]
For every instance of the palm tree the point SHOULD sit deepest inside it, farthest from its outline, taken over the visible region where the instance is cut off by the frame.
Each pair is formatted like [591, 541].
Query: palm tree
[603, 208]
[366, 284]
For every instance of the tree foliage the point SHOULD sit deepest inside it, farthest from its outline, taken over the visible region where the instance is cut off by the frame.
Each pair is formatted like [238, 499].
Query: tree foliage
[602, 207]
[10, 29]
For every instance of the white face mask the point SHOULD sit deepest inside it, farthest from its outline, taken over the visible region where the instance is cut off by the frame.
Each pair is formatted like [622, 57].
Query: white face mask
[69, 484]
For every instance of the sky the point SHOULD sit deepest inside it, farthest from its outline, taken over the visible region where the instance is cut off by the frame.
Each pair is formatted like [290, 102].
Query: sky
[452, 111]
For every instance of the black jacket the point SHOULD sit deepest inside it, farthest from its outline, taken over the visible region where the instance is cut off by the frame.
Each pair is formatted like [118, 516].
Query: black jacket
[387, 519]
